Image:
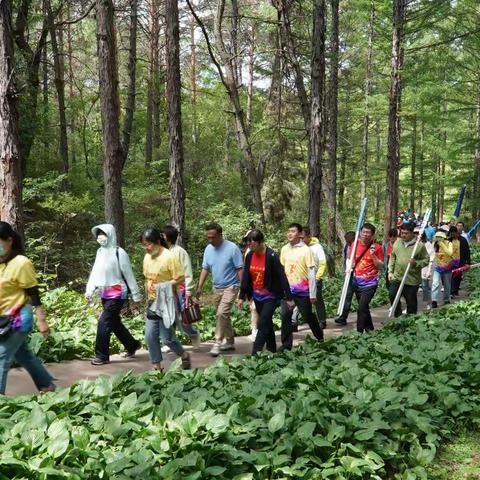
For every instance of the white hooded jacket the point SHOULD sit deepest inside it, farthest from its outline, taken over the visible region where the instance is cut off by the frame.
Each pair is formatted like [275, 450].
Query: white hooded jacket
[106, 269]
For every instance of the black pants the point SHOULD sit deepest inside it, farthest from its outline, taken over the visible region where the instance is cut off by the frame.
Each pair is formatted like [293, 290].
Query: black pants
[305, 309]
[110, 322]
[409, 293]
[348, 303]
[456, 284]
[364, 318]
[266, 332]
[320, 305]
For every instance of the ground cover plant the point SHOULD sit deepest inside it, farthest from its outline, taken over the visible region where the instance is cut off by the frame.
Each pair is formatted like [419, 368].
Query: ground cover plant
[373, 406]
[74, 324]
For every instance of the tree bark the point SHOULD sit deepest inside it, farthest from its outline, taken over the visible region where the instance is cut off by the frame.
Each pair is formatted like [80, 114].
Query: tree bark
[421, 159]
[131, 85]
[393, 167]
[331, 172]
[316, 118]
[251, 65]
[413, 166]
[58, 66]
[110, 112]
[175, 140]
[11, 209]
[193, 81]
[476, 160]
[71, 95]
[366, 101]
[380, 166]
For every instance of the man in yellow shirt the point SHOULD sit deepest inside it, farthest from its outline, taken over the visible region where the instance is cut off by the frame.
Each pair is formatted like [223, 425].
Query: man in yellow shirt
[299, 264]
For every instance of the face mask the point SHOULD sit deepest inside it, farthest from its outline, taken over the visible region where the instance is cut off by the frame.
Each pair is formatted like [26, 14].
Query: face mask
[3, 252]
[102, 240]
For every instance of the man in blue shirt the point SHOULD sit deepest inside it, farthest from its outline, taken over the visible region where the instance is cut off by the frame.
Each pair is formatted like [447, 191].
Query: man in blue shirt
[224, 261]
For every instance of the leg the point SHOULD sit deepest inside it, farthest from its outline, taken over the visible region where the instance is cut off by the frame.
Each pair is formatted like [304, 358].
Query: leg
[286, 328]
[32, 364]
[364, 318]
[8, 348]
[121, 331]
[436, 281]
[426, 290]
[224, 309]
[392, 293]
[265, 332]
[152, 337]
[447, 286]
[410, 293]
[320, 305]
[254, 318]
[170, 339]
[342, 319]
[456, 284]
[305, 307]
[110, 313]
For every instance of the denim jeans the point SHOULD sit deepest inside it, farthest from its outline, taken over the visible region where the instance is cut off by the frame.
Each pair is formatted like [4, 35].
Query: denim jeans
[154, 330]
[111, 322]
[15, 345]
[438, 279]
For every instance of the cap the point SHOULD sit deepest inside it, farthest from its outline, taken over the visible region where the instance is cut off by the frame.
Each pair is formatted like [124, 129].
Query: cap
[440, 234]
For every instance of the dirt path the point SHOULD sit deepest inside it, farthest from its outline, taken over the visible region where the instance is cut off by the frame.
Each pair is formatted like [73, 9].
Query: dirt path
[68, 373]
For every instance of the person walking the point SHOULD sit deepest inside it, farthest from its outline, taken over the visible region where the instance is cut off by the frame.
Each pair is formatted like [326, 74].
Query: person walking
[299, 264]
[463, 253]
[442, 268]
[366, 268]
[400, 258]
[224, 261]
[112, 275]
[387, 251]
[163, 274]
[264, 281]
[185, 289]
[427, 272]
[321, 265]
[19, 295]
[342, 319]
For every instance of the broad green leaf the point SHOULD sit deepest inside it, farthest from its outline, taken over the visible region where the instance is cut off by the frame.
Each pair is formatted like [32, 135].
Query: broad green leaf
[276, 422]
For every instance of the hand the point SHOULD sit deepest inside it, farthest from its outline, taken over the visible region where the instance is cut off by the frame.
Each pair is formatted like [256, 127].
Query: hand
[372, 251]
[42, 324]
[198, 293]
[240, 304]
[413, 262]
[188, 300]
[391, 277]
[313, 301]
[290, 304]
[89, 300]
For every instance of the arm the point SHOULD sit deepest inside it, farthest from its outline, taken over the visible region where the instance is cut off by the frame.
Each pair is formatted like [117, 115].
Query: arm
[312, 284]
[322, 263]
[126, 270]
[422, 259]
[91, 287]
[201, 282]
[391, 264]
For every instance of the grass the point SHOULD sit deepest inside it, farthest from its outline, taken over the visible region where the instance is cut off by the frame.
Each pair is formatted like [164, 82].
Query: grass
[458, 460]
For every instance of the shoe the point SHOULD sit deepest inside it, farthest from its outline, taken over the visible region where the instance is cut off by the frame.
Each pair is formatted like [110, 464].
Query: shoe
[99, 361]
[434, 304]
[446, 302]
[215, 350]
[225, 347]
[157, 367]
[51, 388]
[323, 325]
[165, 349]
[253, 335]
[132, 353]
[186, 362]
[340, 321]
[294, 327]
[428, 307]
[195, 339]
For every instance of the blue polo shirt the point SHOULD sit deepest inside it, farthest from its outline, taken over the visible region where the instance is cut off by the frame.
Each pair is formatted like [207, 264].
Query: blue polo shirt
[223, 262]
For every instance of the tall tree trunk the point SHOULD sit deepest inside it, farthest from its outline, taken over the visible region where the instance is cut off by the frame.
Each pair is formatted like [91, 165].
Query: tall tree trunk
[344, 149]
[193, 81]
[175, 140]
[251, 65]
[316, 118]
[131, 85]
[332, 127]
[110, 112]
[234, 39]
[158, 97]
[393, 167]
[58, 65]
[421, 161]
[434, 192]
[11, 209]
[71, 96]
[413, 167]
[366, 101]
[45, 103]
[380, 166]
[476, 160]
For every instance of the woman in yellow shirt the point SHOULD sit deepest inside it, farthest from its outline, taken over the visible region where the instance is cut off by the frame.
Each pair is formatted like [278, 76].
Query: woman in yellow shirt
[163, 273]
[18, 294]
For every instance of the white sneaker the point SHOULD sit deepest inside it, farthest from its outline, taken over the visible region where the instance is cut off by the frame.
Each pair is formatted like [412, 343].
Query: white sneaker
[429, 307]
[165, 349]
[224, 347]
[215, 350]
[253, 335]
[195, 339]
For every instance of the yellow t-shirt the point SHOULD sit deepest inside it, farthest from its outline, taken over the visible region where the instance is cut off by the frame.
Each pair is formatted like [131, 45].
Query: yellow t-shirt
[297, 260]
[163, 268]
[15, 276]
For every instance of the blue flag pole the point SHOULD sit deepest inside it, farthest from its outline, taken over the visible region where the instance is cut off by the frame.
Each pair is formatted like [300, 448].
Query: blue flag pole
[458, 207]
[471, 232]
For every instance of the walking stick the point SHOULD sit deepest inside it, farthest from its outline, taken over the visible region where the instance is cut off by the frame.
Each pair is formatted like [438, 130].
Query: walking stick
[426, 217]
[349, 261]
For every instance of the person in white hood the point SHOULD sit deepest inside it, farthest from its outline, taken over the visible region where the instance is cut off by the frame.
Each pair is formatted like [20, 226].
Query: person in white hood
[112, 275]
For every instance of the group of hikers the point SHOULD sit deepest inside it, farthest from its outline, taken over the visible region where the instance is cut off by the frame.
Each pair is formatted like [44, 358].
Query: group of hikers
[291, 280]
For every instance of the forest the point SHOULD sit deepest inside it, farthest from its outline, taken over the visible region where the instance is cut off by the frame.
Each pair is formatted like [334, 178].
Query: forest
[247, 113]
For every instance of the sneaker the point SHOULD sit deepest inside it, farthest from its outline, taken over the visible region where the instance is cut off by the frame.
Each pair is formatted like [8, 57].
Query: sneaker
[428, 307]
[294, 327]
[340, 321]
[131, 354]
[99, 361]
[434, 304]
[215, 350]
[323, 325]
[165, 349]
[446, 302]
[225, 347]
[195, 339]
[253, 335]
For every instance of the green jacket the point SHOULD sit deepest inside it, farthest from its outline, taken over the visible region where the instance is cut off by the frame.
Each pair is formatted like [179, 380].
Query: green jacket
[400, 257]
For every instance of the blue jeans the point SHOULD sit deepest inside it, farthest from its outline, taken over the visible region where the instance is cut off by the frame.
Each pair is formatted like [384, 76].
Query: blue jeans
[438, 279]
[15, 345]
[154, 330]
